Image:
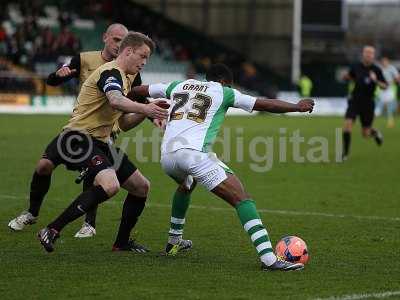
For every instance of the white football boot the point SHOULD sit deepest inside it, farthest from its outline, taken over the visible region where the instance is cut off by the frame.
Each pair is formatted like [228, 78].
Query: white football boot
[25, 218]
[86, 231]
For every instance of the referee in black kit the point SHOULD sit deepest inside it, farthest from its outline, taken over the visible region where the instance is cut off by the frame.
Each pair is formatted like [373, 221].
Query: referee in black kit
[366, 75]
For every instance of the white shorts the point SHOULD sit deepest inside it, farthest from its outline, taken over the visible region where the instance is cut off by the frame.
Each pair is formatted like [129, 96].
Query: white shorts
[185, 164]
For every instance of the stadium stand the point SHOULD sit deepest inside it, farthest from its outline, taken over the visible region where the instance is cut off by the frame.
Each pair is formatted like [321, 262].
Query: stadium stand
[200, 50]
[40, 35]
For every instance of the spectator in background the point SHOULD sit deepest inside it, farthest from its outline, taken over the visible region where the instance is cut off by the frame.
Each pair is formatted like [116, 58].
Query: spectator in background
[181, 53]
[23, 41]
[249, 78]
[31, 8]
[66, 43]
[27, 42]
[64, 18]
[387, 97]
[44, 44]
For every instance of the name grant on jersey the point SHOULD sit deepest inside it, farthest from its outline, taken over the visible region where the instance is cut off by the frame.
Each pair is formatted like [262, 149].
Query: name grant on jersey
[195, 87]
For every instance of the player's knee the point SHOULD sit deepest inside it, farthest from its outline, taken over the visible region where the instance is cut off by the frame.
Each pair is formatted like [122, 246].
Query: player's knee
[44, 167]
[347, 127]
[144, 188]
[111, 188]
[347, 130]
[108, 180]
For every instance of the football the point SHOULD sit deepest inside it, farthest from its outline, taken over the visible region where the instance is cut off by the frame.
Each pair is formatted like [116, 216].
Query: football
[293, 249]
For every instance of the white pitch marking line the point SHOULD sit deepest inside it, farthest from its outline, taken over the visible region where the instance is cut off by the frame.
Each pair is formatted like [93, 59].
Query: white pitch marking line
[261, 210]
[11, 197]
[363, 296]
[287, 212]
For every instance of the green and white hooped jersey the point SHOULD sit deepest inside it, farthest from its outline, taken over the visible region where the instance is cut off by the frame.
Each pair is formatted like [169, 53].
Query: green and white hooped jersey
[197, 111]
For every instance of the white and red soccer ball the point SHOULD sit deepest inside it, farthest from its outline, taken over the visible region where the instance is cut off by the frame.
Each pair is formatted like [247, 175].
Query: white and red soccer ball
[293, 249]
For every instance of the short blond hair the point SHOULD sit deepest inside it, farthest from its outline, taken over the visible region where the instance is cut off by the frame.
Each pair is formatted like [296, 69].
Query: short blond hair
[136, 39]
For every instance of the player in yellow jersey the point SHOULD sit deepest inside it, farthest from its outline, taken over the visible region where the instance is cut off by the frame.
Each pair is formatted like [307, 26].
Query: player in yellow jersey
[80, 67]
[84, 141]
[83, 64]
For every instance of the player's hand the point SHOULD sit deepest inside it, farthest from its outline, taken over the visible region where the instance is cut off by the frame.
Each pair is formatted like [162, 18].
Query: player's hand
[65, 72]
[373, 76]
[160, 123]
[154, 111]
[306, 105]
[161, 102]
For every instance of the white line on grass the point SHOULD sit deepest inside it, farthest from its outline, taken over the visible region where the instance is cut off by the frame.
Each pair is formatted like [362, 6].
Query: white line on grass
[363, 296]
[261, 210]
[287, 212]
[12, 197]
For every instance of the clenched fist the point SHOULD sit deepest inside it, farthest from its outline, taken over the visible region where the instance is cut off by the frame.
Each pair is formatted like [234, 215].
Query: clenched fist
[65, 72]
[306, 105]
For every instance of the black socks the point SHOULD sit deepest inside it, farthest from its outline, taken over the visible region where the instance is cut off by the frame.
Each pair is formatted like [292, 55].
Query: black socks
[82, 204]
[133, 208]
[40, 185]
[346, 142]
[91, 217]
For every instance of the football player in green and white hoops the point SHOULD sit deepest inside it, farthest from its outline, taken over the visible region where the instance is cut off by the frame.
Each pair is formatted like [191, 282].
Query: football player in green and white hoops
[196, 113]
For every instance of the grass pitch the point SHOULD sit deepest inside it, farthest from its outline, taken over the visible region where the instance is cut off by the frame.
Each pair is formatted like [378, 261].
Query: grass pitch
[348, 213]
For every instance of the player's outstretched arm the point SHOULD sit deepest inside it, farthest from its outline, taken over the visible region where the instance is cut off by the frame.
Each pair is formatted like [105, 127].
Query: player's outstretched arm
[279, 106]
[130, 120]
[62, 75]
[65, 73]
[120, 102]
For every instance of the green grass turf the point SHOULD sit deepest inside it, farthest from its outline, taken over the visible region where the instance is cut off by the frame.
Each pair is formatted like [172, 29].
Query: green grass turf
[348, 255]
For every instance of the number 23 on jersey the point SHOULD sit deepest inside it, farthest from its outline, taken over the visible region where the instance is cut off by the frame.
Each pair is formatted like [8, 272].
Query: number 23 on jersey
[198, 107]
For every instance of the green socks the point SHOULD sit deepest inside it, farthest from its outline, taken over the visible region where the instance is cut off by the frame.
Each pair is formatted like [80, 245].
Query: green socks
[180, 204]
[251, 222]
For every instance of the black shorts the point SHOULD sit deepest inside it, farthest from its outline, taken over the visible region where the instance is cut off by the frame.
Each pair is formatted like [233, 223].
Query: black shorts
[364, 109]
[78, 151]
